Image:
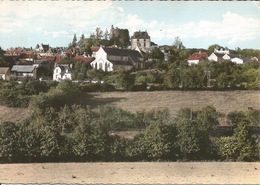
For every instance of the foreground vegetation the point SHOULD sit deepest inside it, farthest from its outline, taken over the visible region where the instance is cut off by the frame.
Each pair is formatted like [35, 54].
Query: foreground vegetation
[59, 130]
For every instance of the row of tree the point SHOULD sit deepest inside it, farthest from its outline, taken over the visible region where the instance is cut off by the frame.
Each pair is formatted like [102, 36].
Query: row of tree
[80, 134]
[205, 75]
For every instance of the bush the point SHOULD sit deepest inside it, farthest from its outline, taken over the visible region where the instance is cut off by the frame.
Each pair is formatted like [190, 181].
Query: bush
[141, 87]
[96, 87]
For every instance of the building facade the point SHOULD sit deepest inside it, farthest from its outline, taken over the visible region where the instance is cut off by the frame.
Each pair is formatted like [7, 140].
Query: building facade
[142, 40]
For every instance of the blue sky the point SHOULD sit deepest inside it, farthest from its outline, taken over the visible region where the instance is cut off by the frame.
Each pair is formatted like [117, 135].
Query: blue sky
[198, 24]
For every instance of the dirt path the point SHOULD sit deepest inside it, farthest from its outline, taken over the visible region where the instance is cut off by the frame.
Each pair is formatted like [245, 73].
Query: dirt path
[132, 173]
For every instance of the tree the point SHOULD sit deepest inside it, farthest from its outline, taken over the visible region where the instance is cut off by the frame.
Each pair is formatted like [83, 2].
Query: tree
[240, 147]
[172, 77]
[50, 143]
[123, 79]
[177, 44]
[106, 35]
[82, 37]
[74, 41]
[156, 54]
[193, 132]
[247, 149]
[99, 33]
[9, 142]
[159, 141]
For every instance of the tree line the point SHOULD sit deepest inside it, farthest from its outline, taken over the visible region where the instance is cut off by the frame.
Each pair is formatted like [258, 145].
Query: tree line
[178, 76]
[58, 130]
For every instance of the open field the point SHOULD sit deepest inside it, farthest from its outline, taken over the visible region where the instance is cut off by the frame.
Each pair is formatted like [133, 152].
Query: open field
[223, 101]
[132, 173]
[13, 114]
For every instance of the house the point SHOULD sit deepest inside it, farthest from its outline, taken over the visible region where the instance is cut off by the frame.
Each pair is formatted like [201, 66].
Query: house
[27, 57]
[83, 58]
[21, 71]
[218, 57]
[62, 72]
[4, 73]
[16, 52]
[237, 60]
[221, 50]
[42, 48]
[111, 59]
[142, 40]
[195, 58]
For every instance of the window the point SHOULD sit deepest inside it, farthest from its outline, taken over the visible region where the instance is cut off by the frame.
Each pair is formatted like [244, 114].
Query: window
[100, 66]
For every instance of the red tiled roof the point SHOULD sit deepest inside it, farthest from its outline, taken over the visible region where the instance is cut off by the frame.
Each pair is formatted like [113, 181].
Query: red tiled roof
[27, 56]
[57, 58]
[13, 52]
[69, 52]
[198, 56]
[48, 58]
[83, 59]
[94, 48]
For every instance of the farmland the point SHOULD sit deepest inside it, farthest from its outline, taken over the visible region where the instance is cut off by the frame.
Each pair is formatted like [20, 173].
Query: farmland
[223, 101]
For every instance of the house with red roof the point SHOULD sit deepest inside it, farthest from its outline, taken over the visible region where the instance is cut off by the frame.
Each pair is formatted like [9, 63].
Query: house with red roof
[13, 52]
[83, 58]
[195, 58]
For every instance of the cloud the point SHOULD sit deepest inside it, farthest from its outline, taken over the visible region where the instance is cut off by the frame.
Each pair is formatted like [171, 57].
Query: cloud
[233, 28]
[61, 19]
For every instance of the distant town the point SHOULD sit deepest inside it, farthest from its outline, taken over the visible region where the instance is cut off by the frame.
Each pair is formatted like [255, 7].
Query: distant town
[109, 52]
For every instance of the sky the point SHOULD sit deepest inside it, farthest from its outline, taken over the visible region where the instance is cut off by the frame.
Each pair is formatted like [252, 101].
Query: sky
[198, 24]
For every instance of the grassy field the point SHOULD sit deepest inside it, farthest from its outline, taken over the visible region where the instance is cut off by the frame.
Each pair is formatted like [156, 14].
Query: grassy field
[223, 101]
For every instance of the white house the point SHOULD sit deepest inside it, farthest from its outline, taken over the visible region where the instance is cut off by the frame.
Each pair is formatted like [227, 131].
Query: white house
[62, 72]
[111, 59]
[218, 57]
[237, 60]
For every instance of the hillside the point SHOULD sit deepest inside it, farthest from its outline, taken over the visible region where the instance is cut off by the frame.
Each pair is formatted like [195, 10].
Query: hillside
[223, 101]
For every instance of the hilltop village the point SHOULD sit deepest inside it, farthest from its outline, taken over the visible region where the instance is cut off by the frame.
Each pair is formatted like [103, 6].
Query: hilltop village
[109, 52]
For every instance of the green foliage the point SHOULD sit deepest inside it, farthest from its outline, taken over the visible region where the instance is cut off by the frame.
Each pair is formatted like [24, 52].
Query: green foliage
[159, 141]
[18, 95]
[80, 70]
[246, 144]
[56, 97]
[96, 87]
[123, 80]
[9, 141]
[156, 54]
[240, 147]
[194, 129]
